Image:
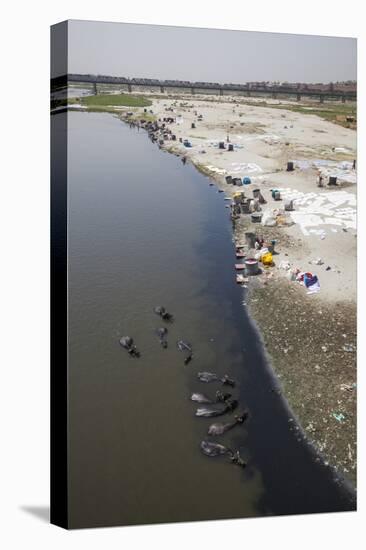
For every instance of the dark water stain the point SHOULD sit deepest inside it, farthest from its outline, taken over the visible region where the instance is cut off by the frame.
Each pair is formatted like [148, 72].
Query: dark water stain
[145, 230]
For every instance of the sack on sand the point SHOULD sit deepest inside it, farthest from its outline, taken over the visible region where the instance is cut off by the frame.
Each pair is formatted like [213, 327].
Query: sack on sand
[268, 219]
[267, 259]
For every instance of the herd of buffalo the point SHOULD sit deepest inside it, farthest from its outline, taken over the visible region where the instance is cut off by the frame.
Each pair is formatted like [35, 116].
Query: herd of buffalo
[222, 403]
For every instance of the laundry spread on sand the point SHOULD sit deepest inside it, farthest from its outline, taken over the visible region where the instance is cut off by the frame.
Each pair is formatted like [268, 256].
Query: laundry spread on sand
[245, 167]
[343, 170]
[215, 169]
[315, 209]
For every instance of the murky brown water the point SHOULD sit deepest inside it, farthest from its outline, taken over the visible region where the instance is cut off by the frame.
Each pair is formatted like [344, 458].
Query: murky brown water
[144, 230]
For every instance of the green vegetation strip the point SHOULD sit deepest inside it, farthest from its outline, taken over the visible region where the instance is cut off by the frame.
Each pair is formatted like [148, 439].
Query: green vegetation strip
[113, 100]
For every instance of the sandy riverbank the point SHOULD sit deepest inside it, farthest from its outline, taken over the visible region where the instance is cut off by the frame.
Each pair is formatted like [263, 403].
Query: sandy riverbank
[311, 339]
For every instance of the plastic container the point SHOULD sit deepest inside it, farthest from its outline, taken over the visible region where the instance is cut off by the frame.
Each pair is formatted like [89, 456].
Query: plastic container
[256, 217]
[251, 266]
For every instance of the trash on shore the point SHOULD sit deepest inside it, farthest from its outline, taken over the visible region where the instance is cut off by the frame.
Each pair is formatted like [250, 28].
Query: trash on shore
[349, 348]
[284, 265]
[348, 387]
[276, 217]
[339, 417]
[268, 219]
[240, 279]
[309, 280]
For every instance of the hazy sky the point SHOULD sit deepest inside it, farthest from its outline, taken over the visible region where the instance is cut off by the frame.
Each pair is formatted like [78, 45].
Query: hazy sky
[184, 53]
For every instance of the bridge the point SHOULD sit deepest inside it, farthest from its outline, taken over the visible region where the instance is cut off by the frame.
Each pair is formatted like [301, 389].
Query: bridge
[161, 86]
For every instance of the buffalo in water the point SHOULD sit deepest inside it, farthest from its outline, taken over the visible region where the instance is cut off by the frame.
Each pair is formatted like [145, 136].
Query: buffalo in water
[212, 377]
[207, 376]
[207, 412]
[220, 397]
[237, 459]
[216, 449]
[127, 343]
[162, 332]
[200, 398]
[227, 381]
[161, 311]
[219, 428]
[185, 346]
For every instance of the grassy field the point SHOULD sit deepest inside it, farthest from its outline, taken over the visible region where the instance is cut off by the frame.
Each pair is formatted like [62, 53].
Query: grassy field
[109, 102]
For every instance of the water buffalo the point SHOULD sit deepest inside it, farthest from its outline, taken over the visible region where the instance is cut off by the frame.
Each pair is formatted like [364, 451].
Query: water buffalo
[185, 346]
[212, 377]
[220, 397]
[237, 459]
[161, 311]
[162, 332]
[127, 343]
[207, 376]
[227, 381]
[214, 449]
[200, 398]
[207, 412]
[218, 428]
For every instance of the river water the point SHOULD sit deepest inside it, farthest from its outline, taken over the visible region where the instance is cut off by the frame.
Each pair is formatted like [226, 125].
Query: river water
[144, 230]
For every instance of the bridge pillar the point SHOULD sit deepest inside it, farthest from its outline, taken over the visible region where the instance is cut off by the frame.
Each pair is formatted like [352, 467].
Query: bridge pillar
[343, 99]
[162, 89]
[95, 88]
[298, 97]
[221, 91]
[129, 87]
[192, 91]
[321, 99]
